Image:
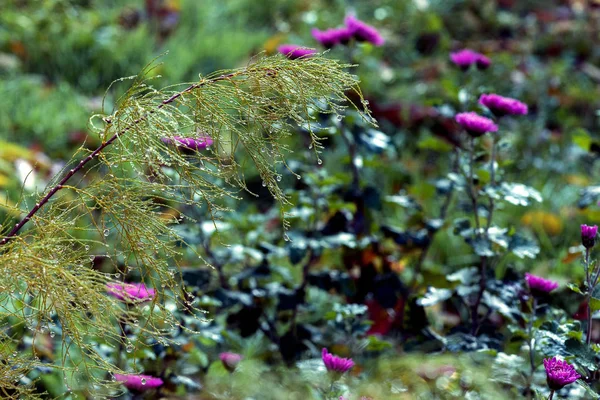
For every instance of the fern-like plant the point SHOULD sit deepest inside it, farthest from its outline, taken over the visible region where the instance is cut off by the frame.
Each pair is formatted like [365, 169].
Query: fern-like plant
[119, 201]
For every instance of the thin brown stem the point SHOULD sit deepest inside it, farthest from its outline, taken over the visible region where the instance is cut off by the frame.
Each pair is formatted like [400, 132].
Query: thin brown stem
[472, 184]
[588, 336]
[15, 230]
[492, 183]
[551, 395]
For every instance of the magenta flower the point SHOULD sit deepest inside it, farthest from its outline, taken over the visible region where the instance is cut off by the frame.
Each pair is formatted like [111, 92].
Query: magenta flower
[559, 373]
[335, 363]
[539, 285]
[467, 57]
[130, 291]
[230, 360]
[294, 52]
[332, 37]
[139, 382]
[363, 32]
[475, 124]
[588, 235]
[189, 143]
[501, 106]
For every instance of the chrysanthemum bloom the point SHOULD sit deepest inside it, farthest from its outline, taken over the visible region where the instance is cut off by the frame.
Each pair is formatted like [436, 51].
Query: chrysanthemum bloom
[190, 143]
[475, 124]
[588, 235]
[559, 373]
[230, 360]
[500, 105]
[467, 57]
[294, 52]
[335, 363]
[363, 32]
[130, 291]
[139, 382]
[539, 285]
[332, 37]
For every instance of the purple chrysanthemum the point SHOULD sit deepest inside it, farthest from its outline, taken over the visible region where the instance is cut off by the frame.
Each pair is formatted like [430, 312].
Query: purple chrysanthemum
[230, 360]
[200, 143]
[467, 57]
[335, 363]
[363, 32]
[559, 373]
[130, 291]
[294, 52]
[139, 382]
[539, 285]
[588, 235]
[501, 105]
[332, 37]
[475, 124]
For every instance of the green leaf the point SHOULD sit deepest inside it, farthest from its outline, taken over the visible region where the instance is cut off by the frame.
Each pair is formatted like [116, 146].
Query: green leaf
[482, 246]
[581, 138]
[435, 144]
[403, 201]
[517, 193]
[465, 275]
[583, 354]
[434, 296]
[496, 303]
[374, 343]
[595, 299]
[523, 247]
[574, 288]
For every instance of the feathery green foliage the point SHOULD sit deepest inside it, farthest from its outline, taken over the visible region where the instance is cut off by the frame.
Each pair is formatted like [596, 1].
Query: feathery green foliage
[49, 279]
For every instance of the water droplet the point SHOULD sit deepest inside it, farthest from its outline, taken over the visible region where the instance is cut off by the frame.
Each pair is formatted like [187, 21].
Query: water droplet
[143, 381]
[129, 348]
[319, 161]
[106, 232]
[286, 237]
[264, 184]
[87, 247]
[52, 334]
[278, 178]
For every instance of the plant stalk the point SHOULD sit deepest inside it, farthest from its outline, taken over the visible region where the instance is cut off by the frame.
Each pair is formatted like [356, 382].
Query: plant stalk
[588, 336]
[492, 183]
[472, 184]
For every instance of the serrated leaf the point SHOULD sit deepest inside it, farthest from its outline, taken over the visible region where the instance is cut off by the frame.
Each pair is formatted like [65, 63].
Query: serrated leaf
[482, 246]
[522, 247]
[464, 276]
[518, 194]
[434, 296]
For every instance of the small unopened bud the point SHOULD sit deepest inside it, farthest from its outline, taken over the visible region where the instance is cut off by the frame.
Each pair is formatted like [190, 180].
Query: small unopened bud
[588, 235]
